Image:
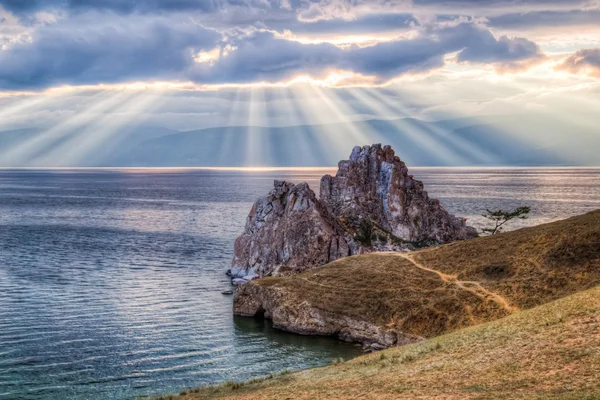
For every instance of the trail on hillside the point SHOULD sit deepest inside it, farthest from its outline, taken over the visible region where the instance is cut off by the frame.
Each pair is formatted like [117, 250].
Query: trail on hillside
[470, 286]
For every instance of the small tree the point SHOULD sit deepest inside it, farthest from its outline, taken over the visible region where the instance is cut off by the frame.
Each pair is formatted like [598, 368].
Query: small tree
[500, 217]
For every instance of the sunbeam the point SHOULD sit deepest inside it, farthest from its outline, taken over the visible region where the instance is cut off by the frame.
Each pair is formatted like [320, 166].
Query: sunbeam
[340, 112]
[257, 147]
[441, 139]
[26, 104]
[80, 147]
[296, 143]
[22, 154]
[407, 130]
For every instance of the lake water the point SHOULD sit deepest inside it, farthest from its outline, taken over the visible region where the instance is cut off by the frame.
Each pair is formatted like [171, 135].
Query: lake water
[110, 281]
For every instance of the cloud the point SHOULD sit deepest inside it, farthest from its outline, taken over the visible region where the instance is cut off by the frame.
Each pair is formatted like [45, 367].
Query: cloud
[123, 6]
[97, 48]
[265, 57]
[100, 48]
[575, 17]
[507, 54]
[586, 61]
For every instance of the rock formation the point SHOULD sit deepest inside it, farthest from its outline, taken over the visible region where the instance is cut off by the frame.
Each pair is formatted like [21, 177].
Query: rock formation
[289, 230]
[375, 185]
[372, 204]
[292, 314]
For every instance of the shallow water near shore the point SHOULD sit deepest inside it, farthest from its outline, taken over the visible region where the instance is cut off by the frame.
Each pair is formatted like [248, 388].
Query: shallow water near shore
[111, 280]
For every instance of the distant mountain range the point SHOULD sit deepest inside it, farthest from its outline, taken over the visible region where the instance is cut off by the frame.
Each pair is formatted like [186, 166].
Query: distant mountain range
[478, 141]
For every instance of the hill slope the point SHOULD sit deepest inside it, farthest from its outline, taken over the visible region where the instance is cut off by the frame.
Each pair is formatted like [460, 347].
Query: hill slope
[548, 352]
[468, 141]
[388, 299]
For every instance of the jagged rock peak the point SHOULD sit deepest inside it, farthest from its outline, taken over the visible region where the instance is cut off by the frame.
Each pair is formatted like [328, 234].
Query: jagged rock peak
[289, 230]
[374, 185]
[372, 204]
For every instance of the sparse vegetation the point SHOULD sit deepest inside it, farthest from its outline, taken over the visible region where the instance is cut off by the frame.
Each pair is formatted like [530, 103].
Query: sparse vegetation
[500, 217]
[365, 233]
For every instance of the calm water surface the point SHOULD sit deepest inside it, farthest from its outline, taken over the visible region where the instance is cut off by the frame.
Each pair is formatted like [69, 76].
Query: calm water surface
[110, 281]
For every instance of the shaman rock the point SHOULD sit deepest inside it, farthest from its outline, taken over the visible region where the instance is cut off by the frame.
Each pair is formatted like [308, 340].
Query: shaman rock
[374, 185]
[372, 204]
[289, 230]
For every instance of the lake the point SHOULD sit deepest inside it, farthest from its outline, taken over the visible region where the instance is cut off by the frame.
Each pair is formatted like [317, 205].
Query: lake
[111, 280]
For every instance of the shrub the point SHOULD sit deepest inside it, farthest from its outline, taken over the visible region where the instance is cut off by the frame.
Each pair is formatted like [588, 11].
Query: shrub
[365, 233]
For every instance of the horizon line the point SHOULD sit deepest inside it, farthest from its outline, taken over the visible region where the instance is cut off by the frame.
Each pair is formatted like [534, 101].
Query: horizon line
[291, 169]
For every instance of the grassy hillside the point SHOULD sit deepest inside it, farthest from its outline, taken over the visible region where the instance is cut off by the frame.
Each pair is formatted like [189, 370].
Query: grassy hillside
[388, 290]
[530, 266]
[548, 352]
[441, 289]
[488, 306]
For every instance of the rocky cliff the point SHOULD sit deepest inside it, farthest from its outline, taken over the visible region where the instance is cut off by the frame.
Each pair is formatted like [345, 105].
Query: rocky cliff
[289, 313]
[289, 230]
[374, 184]
[372, 204]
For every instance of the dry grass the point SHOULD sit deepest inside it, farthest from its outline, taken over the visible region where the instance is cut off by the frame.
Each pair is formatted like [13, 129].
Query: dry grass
[549, 352]
[530, 266]
[388, 291]
[458, 285]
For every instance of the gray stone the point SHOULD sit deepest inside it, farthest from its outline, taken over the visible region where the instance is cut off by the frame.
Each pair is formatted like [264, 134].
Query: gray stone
[291, 230]
[375, 185]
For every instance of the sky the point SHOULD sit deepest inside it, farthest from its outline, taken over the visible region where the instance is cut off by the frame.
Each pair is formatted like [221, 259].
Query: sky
[82, 72]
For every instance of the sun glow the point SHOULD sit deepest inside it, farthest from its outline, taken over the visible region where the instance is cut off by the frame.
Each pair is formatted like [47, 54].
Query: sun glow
[347, 41]
[336, 105]
[331, 79]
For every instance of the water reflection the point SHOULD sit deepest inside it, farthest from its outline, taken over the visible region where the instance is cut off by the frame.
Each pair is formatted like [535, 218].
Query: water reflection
[247, 328]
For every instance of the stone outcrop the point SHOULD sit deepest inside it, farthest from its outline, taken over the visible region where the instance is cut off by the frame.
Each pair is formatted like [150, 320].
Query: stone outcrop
[296, 316]
[374, 184]
[291, 230]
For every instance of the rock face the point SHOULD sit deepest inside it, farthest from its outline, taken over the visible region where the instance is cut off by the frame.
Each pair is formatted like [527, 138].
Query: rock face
[291, 230]
[375, 185]
[293, 315]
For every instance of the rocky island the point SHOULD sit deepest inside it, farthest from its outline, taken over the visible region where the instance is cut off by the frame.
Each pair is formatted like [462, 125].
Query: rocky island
[371, 204]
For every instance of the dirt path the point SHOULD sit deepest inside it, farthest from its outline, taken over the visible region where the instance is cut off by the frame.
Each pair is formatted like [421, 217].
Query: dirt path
[469, 286]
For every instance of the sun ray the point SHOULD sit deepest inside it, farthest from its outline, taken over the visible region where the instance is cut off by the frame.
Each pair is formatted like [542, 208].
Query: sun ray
[352, 135]
[232, 137]
[24, 152]
[296, 144]
[25, 104]
[257, 146]
[420, 137]
[81, 146]
[455, 145]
